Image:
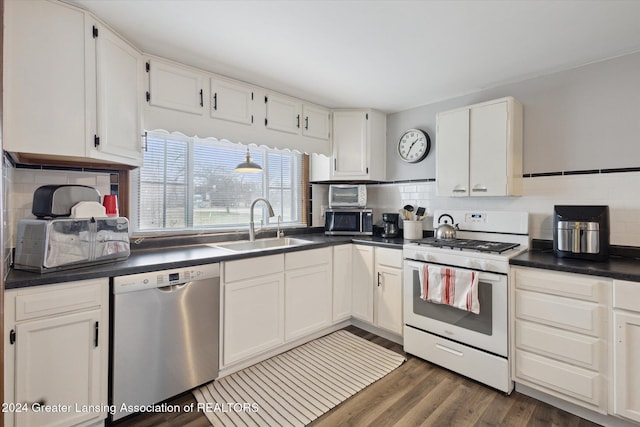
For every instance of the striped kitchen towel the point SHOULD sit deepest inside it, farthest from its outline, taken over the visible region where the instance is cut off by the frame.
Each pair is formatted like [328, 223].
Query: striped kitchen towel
[455, 287]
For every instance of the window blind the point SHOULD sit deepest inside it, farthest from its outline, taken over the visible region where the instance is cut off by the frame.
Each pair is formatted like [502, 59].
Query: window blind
[190, 183]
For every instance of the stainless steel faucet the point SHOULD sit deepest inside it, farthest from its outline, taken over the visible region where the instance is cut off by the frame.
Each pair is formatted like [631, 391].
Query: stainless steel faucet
[252, 231]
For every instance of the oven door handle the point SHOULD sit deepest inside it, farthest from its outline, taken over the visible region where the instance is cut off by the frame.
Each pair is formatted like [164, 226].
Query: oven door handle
[484, 276]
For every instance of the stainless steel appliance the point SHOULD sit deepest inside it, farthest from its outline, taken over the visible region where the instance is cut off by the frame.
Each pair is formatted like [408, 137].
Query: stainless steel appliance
[348, 222]
[347, 196]
[581, 232]
[390, 221]
[165, 334]
[474, 345]
[62, 243]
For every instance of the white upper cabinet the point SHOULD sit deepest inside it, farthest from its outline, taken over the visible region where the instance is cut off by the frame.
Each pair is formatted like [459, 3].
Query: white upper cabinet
[452, 153]
[316, 121]
[118, 97]
[290, 115]
[479, 150]
[282, 113]
[69, 94]
[231, 101]
[44, 83]
[359, 145]
[175, 87]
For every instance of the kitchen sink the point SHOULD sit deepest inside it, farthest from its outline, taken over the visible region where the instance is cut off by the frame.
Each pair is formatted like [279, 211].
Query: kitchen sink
[260, 244]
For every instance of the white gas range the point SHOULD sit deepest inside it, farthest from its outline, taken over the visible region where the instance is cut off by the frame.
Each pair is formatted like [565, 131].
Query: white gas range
[474, 345]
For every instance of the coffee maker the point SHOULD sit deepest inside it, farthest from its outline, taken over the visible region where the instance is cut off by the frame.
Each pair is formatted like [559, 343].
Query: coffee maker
[390, 225]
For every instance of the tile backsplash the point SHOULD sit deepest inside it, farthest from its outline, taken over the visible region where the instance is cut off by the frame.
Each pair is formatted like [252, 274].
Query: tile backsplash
[617, 190]
[24, 182]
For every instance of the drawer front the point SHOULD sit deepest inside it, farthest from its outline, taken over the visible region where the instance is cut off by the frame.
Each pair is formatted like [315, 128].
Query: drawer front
[578, 316]
[478, 365]
[582, 386]
[576, 349]
[389, 257]
[253, 267]
[626, 295]
[307, 258]
[81, 295]
[563, 284]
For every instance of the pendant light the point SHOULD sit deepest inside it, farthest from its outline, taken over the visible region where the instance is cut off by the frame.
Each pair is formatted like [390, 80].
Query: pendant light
[248, 165]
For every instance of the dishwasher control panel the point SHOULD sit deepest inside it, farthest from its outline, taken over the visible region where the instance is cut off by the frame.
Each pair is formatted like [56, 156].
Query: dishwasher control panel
[161, 278]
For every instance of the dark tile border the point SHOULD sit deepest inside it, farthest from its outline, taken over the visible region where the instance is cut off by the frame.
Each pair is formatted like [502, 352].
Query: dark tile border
[581, 172]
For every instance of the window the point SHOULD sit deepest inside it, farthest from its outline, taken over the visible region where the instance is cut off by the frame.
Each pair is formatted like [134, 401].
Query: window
[189, 183]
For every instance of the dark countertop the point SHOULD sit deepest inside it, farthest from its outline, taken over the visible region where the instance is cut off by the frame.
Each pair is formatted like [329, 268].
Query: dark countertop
[146, 260]
[616, 267]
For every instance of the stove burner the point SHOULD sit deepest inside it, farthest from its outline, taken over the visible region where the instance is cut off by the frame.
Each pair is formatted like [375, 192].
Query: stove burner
[467, 244]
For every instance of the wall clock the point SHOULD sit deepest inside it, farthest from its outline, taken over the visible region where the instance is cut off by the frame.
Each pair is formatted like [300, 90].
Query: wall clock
[414, 145]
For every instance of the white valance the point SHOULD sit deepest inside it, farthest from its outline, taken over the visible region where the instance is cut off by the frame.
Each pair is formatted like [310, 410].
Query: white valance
[220, 130]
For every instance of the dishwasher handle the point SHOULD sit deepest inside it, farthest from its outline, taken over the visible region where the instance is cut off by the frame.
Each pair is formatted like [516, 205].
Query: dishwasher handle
[173, 288]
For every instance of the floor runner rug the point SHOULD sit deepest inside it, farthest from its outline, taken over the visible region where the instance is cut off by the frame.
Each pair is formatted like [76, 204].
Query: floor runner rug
[296, 387]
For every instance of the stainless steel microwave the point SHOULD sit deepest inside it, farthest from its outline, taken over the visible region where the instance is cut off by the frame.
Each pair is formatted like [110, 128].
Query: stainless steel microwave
[347, 196]
[348, 222]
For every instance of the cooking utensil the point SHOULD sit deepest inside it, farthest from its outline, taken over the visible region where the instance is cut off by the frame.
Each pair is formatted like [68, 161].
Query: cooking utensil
[445, 230]
[407, 212]
[420, 212]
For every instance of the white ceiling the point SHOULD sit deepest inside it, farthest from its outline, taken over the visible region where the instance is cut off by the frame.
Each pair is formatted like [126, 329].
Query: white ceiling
[388, 55]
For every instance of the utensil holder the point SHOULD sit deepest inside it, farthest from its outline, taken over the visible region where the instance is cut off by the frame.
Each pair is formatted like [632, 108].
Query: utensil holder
[412, 229]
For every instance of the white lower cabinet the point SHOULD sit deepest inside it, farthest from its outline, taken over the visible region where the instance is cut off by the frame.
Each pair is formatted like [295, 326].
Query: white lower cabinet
[307, 292]
[342, 261]
[275, 299]
[56, 354]
[253, 295]
[362, 283]
[377, 287]
[561, 334]
[626, 349]
[388, 290]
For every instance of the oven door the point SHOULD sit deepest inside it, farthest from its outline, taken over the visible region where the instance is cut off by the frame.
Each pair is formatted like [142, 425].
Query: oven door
[486, 330]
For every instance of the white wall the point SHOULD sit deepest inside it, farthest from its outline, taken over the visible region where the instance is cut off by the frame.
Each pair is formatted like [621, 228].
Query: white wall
[580, 119]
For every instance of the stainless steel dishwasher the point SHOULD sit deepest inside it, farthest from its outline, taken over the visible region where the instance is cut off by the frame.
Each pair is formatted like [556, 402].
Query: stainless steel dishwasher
[165, 334]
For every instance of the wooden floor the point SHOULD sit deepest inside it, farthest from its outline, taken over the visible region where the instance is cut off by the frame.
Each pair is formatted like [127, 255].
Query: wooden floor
[417, 393]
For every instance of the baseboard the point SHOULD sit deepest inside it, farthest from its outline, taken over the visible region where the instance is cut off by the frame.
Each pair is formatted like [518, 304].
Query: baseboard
[605, 420]
[377, 331]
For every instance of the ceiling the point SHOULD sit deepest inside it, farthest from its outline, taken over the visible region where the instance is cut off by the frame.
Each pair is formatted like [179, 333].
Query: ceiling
[387, 55]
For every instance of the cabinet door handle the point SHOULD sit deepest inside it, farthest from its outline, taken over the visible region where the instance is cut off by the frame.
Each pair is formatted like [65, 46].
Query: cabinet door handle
[335, 164]
[379, 279]
[201, 99]
[145, 141]
[97, 333]
[215, 101]
[306, 123]
[298, 121]
[12, 336]
[459, 190]
[480, 189]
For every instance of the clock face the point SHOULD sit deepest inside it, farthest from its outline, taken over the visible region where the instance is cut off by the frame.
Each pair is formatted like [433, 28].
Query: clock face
[414, 145]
